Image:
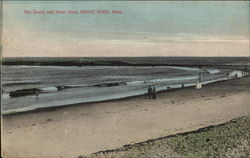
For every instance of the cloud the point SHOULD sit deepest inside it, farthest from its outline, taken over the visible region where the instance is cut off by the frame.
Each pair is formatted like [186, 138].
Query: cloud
[20, 41]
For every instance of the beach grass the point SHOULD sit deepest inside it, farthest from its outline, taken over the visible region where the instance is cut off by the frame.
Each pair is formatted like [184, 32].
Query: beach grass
[231, 139]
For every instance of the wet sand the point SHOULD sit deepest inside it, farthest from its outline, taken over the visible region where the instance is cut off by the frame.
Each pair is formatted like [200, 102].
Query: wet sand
[87, 128]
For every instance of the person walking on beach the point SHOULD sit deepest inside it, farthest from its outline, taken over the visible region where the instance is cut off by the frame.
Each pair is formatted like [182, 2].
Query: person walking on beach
[150, 91]
[200, 77]
[37, 93]
[154, 92]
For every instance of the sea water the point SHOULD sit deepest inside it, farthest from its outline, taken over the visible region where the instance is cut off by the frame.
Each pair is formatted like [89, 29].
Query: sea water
[93, 83]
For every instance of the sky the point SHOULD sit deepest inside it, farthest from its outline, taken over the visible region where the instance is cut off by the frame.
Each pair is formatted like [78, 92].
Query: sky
[205, 28]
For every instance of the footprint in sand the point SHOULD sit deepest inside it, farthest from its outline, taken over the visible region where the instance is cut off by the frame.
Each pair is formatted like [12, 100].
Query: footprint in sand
[48, 120]
[85, 113]
[146, 109]
[110, 112]
[207, 99]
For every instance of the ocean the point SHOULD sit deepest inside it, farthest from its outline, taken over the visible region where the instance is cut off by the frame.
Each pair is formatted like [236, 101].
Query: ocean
[48, 86]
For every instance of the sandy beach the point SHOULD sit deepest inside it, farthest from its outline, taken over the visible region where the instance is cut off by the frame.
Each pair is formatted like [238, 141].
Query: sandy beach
[83, 129]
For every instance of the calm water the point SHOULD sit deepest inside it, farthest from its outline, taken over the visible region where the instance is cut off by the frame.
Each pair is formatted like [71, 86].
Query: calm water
[81, 83]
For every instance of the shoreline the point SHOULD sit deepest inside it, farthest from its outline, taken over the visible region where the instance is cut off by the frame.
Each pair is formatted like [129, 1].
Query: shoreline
[88, 128]
[161, 89]
[127, 61]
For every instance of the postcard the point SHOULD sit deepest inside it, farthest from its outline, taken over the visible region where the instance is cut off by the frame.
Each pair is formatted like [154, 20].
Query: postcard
[125, 79]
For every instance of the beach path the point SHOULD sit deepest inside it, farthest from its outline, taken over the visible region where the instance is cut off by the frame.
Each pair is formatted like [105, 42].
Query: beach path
[83, 129]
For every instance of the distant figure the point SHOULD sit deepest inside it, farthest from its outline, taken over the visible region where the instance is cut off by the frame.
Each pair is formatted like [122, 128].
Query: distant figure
[154, 92]
[200, 76]
[150, 91]
[37, 93]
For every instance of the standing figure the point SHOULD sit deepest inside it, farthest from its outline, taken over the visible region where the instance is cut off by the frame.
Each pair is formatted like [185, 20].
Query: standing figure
[37, 93]
[154, 92]
[150, 91]
[200, 76]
